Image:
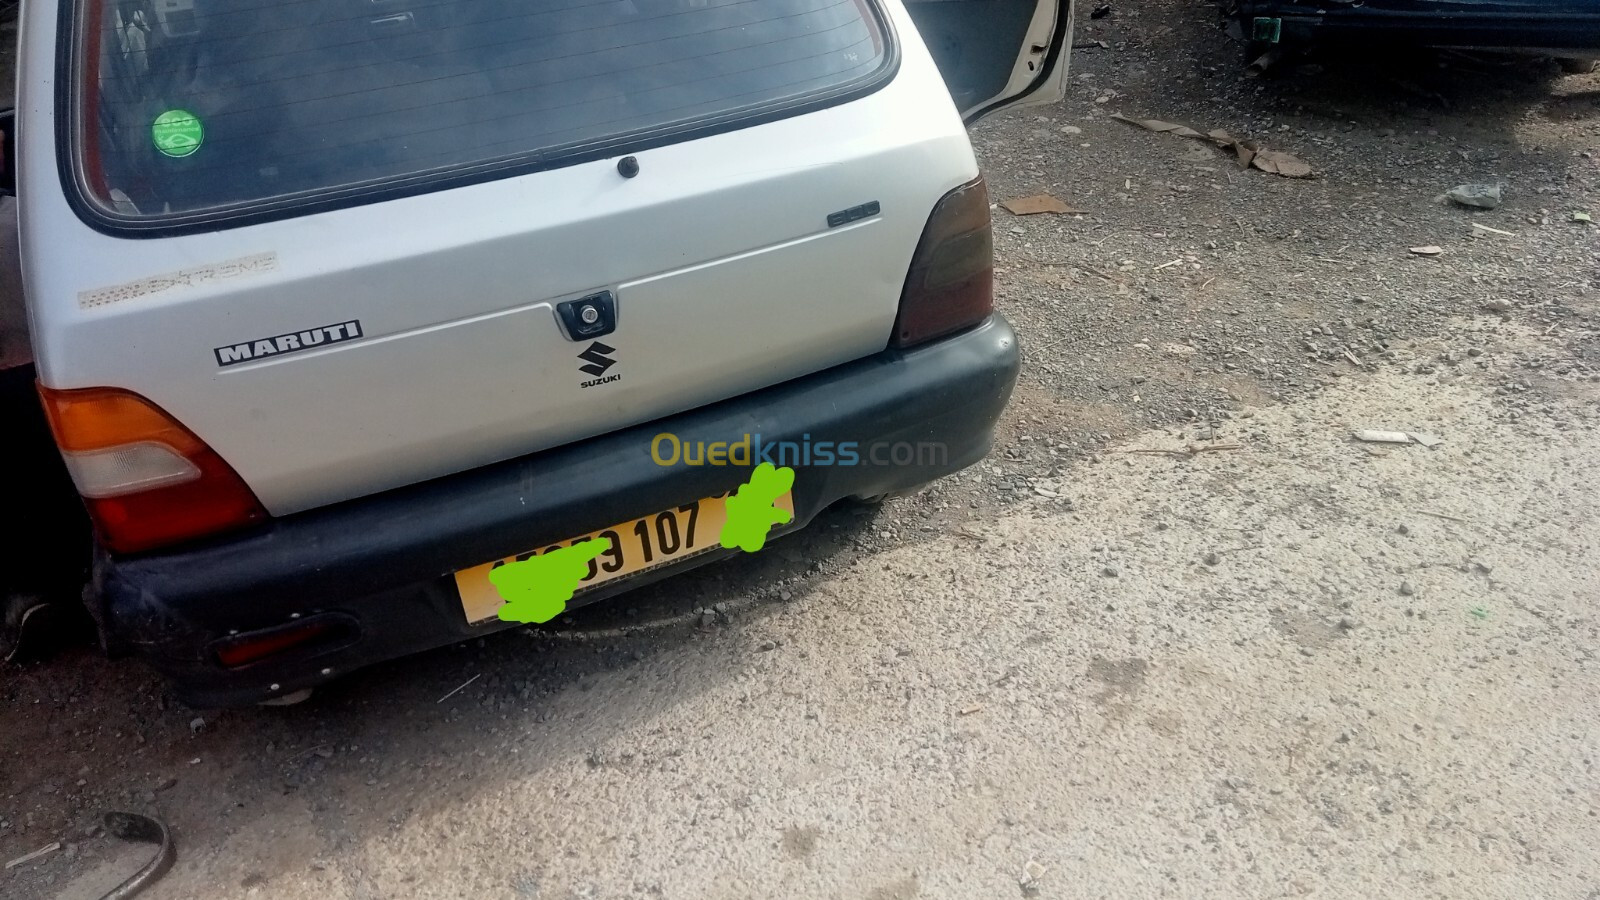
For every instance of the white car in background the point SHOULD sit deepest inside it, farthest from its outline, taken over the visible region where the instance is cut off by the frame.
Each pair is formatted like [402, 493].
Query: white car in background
[335, 303]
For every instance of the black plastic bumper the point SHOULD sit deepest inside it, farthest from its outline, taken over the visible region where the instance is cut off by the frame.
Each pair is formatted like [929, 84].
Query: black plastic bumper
[381, 567]
[1544, 25]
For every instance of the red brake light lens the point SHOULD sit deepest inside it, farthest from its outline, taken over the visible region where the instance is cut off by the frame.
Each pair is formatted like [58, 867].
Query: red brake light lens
[951, 282]
[147, 481]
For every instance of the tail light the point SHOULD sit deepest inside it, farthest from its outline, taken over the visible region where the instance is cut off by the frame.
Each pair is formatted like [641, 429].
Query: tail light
[146, 479]
[951, 282]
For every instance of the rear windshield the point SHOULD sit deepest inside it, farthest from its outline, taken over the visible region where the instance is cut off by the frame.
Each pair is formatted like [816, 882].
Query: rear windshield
[195, 105]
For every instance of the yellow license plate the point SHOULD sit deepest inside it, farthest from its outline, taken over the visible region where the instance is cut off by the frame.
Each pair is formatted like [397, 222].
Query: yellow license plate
[646, 543]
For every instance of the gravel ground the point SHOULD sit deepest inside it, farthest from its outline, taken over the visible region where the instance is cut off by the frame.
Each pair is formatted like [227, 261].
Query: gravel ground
[1305, 666]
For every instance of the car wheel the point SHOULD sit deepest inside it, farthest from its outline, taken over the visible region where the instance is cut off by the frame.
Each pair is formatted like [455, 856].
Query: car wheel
[1573, 66]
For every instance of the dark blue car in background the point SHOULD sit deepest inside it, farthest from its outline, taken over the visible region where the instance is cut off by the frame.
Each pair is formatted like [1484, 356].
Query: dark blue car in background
[1568, 30]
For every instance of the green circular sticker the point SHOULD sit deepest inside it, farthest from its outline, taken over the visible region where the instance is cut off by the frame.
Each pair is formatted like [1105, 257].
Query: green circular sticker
[177, 132]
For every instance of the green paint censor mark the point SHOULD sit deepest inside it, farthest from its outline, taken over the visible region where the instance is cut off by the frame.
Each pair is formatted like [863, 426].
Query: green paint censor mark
[537, 589]
[177, 133]
[1480, 612]
[751, 513]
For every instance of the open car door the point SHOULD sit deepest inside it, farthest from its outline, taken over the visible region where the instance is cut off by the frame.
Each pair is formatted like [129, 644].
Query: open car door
[996, 54]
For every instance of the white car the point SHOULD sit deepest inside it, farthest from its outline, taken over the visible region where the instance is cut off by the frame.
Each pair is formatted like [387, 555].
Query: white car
[336, 305]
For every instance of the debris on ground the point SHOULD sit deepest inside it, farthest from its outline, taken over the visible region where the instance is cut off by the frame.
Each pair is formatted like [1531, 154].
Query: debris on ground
[459, 688]
[1497, 305]
[1249, 154]
[1273, 162]
[1479, 196]
[1428, 250]
[1160, 127]
[144, 830]
[1479, 226]
[1037, 203]
[1579, 215]
[1373, 436]
[1191, 450]
[969, 710]
[47, 849]
[1032, 875]
[1101, 11]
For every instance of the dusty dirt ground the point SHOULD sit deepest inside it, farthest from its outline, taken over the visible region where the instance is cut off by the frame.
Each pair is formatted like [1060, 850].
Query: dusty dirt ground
[1303, 667]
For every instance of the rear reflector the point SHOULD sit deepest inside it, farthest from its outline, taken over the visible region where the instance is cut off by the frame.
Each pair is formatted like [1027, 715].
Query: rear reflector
[951, 282]
[318, 633]
[146, 480]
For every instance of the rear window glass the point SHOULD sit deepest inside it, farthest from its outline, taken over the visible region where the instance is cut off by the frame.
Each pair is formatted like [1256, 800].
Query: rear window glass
[195, 105]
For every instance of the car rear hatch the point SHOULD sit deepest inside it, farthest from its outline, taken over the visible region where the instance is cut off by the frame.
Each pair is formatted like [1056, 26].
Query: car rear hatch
[308, 251]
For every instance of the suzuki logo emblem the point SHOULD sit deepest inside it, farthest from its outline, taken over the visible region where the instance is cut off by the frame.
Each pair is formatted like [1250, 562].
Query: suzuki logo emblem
[597, 358]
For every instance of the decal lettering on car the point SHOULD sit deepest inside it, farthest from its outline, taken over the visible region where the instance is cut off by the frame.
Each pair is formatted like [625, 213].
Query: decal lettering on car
[599, 361]
[292, 342]
[196, 276]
